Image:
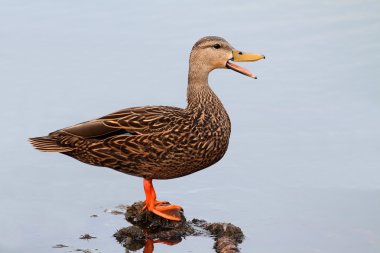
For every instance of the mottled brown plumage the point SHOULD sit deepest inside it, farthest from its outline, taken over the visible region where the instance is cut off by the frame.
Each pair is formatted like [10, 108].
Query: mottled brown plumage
[158, 142]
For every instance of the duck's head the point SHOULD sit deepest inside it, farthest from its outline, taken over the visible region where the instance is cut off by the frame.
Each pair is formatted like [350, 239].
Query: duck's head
[213, 52]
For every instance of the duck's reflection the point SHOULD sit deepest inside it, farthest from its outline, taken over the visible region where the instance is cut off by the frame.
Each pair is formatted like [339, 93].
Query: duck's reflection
[132, 239]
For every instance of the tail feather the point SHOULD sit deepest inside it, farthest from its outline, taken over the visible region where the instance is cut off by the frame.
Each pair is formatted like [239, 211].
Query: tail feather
[47, 144]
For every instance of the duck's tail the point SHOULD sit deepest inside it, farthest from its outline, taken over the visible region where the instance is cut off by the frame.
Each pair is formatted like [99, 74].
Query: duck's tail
[47, 144]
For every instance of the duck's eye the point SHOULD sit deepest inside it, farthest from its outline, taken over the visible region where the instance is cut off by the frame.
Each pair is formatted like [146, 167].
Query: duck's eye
[216, 46]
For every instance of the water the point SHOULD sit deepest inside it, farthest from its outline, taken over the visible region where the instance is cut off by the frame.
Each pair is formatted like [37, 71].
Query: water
[302, 173]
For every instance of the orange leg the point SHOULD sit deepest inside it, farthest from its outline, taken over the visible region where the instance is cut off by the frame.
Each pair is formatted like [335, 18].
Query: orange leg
[149, 189]
[160, 208]
[154, 196]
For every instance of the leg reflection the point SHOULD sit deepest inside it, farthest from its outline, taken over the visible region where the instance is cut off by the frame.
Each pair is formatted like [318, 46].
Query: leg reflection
[149, 244]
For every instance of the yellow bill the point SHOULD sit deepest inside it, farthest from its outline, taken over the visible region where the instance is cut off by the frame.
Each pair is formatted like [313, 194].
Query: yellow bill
[239, 56]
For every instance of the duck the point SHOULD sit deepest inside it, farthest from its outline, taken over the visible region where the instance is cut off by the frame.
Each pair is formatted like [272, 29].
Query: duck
[160, 142]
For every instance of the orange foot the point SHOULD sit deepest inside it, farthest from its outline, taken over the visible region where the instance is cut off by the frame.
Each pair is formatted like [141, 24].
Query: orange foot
[160, 208]
[156, 203]
[170, 212]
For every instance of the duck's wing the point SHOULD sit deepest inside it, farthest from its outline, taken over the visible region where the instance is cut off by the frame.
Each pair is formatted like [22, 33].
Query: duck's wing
[133, 121]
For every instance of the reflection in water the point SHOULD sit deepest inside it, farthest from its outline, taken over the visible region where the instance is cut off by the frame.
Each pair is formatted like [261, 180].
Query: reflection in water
[148, 244]
[149, 229]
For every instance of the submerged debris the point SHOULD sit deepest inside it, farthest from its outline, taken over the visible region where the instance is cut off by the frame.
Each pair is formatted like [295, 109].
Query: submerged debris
[149, 228]
[58, 246]
[226, 235]
[86, 237]
[84, 250]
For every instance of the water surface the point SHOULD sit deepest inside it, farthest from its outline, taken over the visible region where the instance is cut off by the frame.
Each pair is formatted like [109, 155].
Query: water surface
[302, 173]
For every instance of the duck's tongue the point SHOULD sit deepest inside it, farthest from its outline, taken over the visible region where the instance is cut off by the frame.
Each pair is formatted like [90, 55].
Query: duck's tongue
[240, 69]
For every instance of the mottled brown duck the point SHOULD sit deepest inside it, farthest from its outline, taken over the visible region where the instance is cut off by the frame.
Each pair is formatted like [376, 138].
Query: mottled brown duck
[160, 142]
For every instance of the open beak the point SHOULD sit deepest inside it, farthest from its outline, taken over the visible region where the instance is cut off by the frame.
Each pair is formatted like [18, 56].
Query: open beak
[241, 56]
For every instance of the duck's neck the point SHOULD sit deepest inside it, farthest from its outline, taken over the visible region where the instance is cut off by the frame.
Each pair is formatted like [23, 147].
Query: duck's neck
[199, 93]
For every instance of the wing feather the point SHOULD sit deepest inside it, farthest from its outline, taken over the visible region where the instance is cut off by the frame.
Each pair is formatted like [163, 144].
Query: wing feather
[131, 121]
